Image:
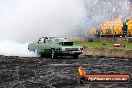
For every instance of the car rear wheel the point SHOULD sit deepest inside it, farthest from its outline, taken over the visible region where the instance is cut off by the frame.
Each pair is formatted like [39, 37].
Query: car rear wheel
[53, 54]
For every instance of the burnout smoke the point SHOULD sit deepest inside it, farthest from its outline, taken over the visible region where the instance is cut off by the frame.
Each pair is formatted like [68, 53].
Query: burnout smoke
[27, 20]
[10, 48]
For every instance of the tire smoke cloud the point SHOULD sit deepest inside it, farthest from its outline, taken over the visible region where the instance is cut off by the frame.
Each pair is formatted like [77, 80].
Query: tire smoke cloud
[27, 20]
[12, 48]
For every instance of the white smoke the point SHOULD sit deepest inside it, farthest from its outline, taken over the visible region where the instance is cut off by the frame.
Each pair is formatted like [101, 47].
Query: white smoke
[11, 48]
[27, 20]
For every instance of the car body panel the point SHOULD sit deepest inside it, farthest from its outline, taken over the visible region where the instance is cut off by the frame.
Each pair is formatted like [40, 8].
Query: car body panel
[60, 45]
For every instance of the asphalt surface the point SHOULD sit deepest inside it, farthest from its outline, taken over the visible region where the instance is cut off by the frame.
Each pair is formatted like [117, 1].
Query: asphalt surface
[37, 72]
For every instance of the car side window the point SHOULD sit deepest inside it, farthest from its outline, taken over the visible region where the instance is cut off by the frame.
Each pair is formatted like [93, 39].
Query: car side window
[40, 40]
[44, 40]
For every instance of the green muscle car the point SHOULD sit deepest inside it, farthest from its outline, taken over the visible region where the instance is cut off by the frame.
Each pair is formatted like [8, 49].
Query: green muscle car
[55, 46]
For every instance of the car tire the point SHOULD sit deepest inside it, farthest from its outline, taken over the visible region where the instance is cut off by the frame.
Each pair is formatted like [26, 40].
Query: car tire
[53, 54]
[75, 56]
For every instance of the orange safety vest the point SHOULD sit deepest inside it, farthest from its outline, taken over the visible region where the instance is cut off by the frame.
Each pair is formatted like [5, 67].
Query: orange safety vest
[81, 71]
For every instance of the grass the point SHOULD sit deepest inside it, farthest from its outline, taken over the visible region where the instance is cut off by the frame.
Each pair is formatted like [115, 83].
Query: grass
[128, 46]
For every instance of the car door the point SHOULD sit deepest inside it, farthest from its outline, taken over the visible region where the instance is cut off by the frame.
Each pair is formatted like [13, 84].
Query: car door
[46, 46]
